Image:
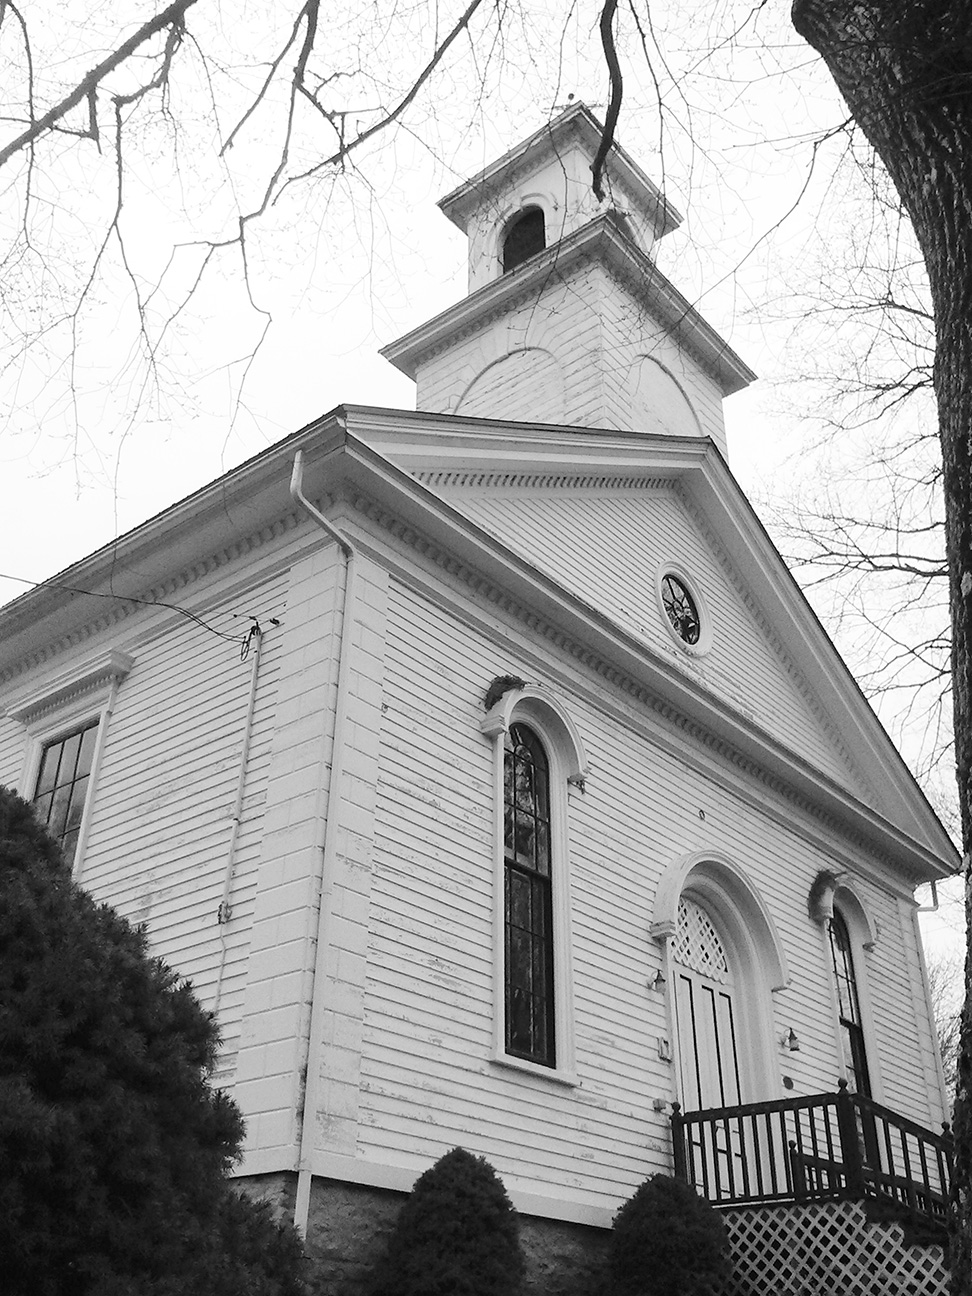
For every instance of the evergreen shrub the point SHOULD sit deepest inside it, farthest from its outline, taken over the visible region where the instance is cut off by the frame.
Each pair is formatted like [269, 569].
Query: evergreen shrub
[667, 1241]
[114, 1146]
[456, 1235]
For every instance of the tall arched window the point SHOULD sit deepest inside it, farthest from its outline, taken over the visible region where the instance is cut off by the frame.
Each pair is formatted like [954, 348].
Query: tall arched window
[525, 236]
[848, 1005]
[528, 907]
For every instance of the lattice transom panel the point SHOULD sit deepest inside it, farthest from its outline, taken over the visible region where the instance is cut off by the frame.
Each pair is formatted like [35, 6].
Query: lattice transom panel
[697, 944]
[827, 1249]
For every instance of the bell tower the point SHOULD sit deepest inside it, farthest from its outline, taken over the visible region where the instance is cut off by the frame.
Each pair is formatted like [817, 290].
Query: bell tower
[568, 319]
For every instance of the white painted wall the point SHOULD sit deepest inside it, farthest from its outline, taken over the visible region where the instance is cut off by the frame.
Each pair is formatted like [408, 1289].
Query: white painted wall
[606, 543]
[426, 1077]
[579, 347]
[405, 982]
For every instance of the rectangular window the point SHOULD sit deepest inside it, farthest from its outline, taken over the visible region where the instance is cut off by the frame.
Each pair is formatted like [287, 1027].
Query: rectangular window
[62, 785]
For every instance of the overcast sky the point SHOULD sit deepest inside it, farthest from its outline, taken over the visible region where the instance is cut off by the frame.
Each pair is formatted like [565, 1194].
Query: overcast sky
[93, 440]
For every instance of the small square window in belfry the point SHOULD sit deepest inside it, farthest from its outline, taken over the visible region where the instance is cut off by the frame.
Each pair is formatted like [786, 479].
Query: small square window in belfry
[680, 609]
[62, 786]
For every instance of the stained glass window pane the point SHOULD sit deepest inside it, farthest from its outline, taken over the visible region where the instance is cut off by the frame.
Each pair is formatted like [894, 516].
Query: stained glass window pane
[529, 943]
[681, 610]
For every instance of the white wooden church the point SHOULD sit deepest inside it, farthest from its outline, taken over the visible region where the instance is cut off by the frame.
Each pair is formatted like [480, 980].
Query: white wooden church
[541, 816]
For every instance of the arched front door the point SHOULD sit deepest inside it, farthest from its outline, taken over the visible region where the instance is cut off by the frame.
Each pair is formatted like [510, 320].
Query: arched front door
[706, 1012]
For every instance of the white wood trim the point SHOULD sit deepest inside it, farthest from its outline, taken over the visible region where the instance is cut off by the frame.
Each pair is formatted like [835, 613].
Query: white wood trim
[557, 1075]
[861, 931]
[70, 701]
[732, 879]
[72, 684]
[565, 753]
[400, 1178]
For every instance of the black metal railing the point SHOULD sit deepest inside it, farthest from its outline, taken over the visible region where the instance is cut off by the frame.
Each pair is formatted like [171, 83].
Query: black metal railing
[814, 1149]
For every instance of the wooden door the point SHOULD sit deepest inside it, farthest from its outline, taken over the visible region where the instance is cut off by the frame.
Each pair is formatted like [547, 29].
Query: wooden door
[708, 1047]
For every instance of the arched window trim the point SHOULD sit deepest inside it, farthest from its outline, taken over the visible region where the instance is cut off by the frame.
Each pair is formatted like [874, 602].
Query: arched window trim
[708, 872]
[863, 934]
[850, 1018]
[723, 889]
[555, 730]
[553, 215]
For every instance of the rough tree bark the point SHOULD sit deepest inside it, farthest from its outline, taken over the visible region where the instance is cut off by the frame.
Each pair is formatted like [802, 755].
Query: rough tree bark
[904, 68]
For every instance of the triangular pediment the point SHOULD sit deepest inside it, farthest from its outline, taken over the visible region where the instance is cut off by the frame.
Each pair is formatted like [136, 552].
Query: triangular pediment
[600, 514]
[612, 541]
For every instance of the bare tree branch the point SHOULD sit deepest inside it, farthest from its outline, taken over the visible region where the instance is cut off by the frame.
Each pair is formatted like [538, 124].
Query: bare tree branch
[617, 90]
[173, 17]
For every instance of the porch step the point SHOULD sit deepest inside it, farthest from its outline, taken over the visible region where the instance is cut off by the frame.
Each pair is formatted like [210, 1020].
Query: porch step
[827, 1249]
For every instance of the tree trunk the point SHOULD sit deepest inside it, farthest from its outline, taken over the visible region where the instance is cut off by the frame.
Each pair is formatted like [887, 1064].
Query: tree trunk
[904, 68]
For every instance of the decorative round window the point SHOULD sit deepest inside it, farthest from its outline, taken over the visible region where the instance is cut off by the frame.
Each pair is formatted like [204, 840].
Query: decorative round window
[681, 610]
[682, 607]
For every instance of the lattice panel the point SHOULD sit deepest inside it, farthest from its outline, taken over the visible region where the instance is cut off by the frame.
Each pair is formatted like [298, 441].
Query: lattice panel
[697, 944]
[827, 1249]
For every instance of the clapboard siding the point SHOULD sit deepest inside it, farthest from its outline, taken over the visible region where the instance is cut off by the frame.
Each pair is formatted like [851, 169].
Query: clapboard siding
[12, 750]
[606, 545]
[160, 813]
[628, 333]
[406, 977]
[426, 1077]
[584, 334]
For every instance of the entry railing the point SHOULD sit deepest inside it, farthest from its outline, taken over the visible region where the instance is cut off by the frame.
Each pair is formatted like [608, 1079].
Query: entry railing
[837, 1145]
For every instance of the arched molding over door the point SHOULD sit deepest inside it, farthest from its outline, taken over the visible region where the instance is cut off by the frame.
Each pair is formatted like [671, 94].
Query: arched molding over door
[733, 1001]
[721, 884]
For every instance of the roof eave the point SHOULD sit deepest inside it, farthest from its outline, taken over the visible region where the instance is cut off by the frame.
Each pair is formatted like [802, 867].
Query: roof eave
[603, 235]
[459, 204]
[439, 520]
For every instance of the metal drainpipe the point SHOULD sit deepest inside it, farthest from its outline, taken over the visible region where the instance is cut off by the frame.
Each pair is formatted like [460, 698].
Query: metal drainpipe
[933, 907]
[326, 840]
[224, 912]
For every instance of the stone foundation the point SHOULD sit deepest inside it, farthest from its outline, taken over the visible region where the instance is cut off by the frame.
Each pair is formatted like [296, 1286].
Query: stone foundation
[348, 1225]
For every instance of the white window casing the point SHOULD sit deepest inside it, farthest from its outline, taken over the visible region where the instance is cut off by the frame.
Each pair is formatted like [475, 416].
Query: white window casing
[68, 702]
[552, 724]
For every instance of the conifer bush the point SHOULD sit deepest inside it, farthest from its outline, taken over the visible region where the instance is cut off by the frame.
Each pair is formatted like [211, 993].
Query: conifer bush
[667, 1241]
[456, 1235]
[114, 1146]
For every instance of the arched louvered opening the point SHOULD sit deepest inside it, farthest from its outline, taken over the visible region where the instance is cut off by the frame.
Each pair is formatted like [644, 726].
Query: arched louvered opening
[525, 236]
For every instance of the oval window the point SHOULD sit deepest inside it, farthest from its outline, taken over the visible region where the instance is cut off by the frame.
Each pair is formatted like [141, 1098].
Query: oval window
[681, 609]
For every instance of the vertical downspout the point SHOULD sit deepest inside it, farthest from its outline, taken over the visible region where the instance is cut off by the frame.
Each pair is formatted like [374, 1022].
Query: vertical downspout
[326, 840]
[225, 910]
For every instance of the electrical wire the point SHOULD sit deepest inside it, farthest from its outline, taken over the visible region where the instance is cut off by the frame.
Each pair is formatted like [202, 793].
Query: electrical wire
[243, 640]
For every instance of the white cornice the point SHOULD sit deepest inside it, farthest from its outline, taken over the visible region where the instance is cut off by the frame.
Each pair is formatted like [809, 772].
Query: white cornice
[578, 122]
[83, 678]
[470, 544]
[372, 451]
[604, 238]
